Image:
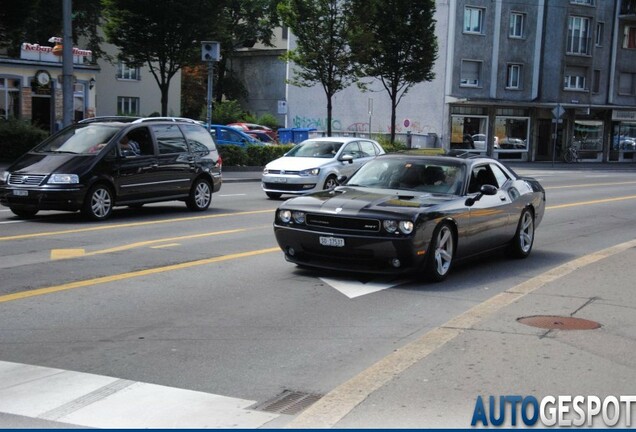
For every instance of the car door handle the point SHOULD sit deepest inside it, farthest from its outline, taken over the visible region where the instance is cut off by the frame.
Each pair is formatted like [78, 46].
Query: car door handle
[149, 167]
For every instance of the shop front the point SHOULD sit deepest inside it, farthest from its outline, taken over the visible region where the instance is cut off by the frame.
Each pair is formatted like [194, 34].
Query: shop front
[31, 87]
[623, 138]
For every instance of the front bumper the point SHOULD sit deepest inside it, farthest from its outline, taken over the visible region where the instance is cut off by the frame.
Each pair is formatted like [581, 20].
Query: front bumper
[290, 184]
[360, 253]
[64, 197]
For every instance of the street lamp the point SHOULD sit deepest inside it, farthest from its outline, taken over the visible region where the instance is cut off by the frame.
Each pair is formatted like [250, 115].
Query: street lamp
[210, 53]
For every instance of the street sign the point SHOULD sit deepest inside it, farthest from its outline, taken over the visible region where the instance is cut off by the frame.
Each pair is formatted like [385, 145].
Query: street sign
[558, 111]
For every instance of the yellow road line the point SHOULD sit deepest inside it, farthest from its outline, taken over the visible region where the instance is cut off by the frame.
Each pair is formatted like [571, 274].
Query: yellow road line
[335, 405]
[590, 185]
[131, 225]
[600, 201]
[131, 275]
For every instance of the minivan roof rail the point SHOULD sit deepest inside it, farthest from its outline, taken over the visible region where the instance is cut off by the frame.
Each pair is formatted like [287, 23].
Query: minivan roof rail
[108, 119]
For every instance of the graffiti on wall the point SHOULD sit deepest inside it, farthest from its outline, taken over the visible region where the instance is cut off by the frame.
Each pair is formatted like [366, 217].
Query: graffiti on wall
[336, 125]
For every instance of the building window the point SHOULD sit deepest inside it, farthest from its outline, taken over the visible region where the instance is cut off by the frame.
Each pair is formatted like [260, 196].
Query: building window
[473, 20]
[574, 78]
[9, 98]
[516, 25]
[513, 76]
[470, 73]
[626, 84]
[512, 133]
[629, 41]
[596, 83]
[127, 105]
[127, 73]
[469, 132]
[600, 29]
[578, 35]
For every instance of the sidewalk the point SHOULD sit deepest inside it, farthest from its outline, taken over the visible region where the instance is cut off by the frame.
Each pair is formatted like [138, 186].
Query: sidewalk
[434, 381]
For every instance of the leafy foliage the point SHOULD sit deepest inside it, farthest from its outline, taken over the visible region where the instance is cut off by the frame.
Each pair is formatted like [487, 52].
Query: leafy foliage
[252, 155]
[161, 37]
[394, 41]
[17, 137]
[322, 53]
[226, 112]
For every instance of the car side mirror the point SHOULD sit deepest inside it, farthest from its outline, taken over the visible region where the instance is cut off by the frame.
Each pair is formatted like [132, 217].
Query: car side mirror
[484, 190]
[347, 158]
[341, 179]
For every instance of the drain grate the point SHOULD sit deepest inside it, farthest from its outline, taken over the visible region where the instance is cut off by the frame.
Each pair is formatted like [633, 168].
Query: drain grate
[288, 402]
[558, 322]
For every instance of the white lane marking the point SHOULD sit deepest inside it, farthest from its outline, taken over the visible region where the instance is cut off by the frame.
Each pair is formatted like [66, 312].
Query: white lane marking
[8, 222]
[99, 401]
[353, 288]
[232, 195]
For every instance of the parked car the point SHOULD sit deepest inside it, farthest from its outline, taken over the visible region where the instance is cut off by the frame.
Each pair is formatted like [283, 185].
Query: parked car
[99, 163]
[316, 163]
[252, 127]
[227, 135]
[479, 141]
[408, 213]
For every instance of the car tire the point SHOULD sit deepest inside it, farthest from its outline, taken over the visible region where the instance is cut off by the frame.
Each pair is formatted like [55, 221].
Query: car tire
[200, 195]
[24, 212]
[441, 253]
[273, 195]
[330, 182]
[98, 204]
[524, 236]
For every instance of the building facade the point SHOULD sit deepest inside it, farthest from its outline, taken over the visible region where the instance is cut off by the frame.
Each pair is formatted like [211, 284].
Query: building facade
[31, 86]
[517, 80]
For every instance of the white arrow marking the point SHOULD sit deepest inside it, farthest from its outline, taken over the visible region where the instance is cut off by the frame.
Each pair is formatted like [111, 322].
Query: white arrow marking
[355, 288]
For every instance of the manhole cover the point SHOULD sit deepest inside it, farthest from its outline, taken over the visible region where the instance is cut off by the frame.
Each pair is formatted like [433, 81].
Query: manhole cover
[559, 322]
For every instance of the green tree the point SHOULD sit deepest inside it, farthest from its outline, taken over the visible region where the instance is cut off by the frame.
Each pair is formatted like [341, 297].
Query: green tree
[394, 41]
[36, 21]
[161, 36]
[322, 53]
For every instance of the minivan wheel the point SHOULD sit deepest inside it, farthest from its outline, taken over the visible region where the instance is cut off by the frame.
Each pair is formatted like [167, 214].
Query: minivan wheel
[200, 195]
[24, 212]
[98, 204]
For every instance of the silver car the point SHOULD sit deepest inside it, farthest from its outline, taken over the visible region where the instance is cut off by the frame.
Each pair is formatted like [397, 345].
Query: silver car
[316, 163]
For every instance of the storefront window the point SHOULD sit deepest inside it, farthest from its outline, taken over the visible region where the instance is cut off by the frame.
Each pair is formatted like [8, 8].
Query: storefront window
[511, 133]
[623, 142]
[469, 132]
[9, 98]
[588, 135]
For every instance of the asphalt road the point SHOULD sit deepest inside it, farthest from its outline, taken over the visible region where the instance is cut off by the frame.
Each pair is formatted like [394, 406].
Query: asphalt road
[206, 302]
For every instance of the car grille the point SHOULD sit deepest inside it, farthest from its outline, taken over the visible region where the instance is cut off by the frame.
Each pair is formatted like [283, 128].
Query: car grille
[345, 223]
[288, 186]
[283, 172]
[26, 179]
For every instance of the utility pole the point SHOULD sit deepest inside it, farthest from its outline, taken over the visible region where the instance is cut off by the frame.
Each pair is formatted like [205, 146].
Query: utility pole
[210, 53]
[67, 64]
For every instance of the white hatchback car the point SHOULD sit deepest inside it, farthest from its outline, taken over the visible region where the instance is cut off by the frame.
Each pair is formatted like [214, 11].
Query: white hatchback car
[316, 163]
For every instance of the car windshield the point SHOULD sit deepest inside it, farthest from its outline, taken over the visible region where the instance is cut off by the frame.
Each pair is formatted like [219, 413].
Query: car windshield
[316, 149]
[421, 175]
[84, 138]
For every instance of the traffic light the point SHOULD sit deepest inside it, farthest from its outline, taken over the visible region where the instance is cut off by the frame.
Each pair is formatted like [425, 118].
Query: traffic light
[210, 51]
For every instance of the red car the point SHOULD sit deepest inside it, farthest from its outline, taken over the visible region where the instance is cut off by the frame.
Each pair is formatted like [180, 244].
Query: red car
[252, 127]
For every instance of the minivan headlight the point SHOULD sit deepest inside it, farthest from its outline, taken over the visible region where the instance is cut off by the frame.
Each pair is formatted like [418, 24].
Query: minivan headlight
[63, 179]
[310, 172]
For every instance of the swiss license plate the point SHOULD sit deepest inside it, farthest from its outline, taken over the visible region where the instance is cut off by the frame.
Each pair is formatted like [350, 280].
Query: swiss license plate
[18, 192]
[332, 241]
[279, 180]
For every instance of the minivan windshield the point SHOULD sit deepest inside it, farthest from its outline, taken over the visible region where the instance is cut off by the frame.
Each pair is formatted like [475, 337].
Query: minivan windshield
[83, 138]
[317, 149]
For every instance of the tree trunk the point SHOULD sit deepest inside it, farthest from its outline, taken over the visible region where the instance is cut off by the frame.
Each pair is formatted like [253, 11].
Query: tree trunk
[393, 110]
[164, 87]
[329, 107]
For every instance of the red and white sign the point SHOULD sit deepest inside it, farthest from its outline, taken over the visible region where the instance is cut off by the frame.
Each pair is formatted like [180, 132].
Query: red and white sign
[43, 53]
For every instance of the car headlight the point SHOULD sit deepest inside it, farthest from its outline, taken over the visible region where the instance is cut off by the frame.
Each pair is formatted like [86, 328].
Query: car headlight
[299, 217]
[63, 179]
[4, 176]
[310, 172]
[265, 171]
[284, 216]
[406, 227]
[391, 226]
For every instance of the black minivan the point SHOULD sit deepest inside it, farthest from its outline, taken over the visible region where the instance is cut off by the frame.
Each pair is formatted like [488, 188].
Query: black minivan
[99, 163]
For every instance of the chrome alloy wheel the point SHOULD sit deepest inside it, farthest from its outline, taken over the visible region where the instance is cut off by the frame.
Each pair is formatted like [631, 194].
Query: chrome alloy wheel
[526, 232]
[444, 248]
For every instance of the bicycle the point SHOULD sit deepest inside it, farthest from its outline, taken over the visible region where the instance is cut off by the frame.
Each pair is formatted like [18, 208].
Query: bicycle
[571, 154]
